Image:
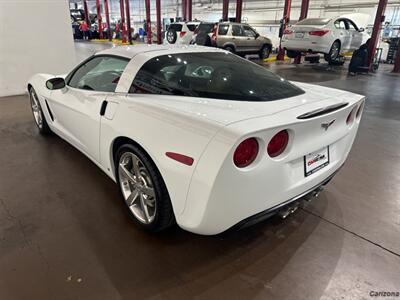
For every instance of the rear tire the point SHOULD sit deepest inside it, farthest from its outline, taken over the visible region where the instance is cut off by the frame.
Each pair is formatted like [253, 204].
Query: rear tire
[143, 189]
[292, 53]
[230, 49]
[37, 112]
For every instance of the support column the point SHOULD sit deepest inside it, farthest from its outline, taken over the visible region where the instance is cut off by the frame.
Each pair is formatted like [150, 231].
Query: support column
[239, 7]
[184, 10]
[225, 10]
[303, 14]
[189, 10]
[107, 12]
[85, 8]
[123, 27]
[396, 68]
[379, 18]
[99, 21]
[158, 14]
[285, 20]
[148, 21]
[128, 21]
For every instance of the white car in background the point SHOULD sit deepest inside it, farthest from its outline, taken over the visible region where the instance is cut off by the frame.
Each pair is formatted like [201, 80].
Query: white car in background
[180, 33]
[330, 37]
[197, 135]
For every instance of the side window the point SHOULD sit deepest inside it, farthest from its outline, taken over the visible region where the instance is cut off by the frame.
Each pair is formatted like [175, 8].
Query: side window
[352, 26]
[101, 73]
[223, 29]
[248, 31]
[237, 30]
[340, 24]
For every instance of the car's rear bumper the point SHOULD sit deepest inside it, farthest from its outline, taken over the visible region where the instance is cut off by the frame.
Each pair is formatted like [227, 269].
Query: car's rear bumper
[306, 46]
[295, 201]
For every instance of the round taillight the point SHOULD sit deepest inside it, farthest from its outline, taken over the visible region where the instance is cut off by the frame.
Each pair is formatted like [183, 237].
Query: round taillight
[359, 110]
[245, 153]
[350, 117]
[278, 143]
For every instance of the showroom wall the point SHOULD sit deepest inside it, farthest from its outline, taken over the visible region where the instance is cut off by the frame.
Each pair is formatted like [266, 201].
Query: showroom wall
[264, 15]
[35, 36]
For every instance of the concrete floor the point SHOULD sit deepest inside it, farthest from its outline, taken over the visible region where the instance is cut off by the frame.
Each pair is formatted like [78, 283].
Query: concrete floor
[64, 233]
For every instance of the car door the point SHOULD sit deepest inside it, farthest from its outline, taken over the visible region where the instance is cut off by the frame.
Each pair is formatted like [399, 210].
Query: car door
[356, 35]
[343, 34]
[238, 38]
[251, 43]
[76, 108]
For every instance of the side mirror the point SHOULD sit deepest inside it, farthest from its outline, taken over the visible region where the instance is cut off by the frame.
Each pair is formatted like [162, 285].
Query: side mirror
[257, 35]
[361, 29]
[55, 83]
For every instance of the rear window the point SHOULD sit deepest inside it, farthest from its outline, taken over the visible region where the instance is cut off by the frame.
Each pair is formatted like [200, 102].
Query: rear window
[223, 29]
[206, 27]
[176, 27]
[313, 22]
[191, 27]
[211, 75]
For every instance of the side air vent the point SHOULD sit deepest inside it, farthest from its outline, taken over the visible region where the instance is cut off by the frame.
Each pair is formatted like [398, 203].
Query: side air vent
[49, 110]
[322, 111]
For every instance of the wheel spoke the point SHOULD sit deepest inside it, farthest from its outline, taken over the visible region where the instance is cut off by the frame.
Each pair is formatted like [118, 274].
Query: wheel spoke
[132, 198]
[127, 173]
[144, 208]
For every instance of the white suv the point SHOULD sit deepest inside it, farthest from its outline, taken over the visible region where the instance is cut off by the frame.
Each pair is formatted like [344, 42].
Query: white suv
[180, 33]
[328, 36]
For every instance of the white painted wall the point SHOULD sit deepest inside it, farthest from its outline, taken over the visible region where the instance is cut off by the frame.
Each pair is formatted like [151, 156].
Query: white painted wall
[35, 37]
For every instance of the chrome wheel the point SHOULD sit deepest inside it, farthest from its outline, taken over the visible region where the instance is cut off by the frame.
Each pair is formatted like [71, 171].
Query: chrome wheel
[335, 50]
[36, 109]
[137, 187]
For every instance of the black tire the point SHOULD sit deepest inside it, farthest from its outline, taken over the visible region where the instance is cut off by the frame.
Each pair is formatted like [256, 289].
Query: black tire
[164, 216]
[292, 53]
[37, 112]
[333, 54]
[230, 49]
[265, 51]
[171, 36]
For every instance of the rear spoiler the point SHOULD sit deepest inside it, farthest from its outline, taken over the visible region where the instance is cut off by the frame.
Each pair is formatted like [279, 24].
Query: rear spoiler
[322, 111]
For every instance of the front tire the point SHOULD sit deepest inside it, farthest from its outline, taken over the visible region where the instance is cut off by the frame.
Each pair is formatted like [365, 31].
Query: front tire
[143, 189]
[37, 112]
[264, 52]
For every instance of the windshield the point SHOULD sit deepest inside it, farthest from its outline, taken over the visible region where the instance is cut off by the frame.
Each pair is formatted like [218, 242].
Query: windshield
[215, 75]
[175, 27]
[313, 22]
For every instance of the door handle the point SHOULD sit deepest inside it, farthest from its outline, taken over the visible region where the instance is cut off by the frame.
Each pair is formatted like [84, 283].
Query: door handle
[103, 108]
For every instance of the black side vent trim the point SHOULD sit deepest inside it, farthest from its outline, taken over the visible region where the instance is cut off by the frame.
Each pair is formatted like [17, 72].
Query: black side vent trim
[322, 111]
[49, 110]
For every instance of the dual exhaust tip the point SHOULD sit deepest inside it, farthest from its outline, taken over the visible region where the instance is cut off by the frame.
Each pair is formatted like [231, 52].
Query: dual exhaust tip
[292, 207]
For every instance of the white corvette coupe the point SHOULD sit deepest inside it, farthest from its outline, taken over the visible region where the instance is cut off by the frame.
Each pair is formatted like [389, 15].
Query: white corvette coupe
[198, 136]
[330, 37]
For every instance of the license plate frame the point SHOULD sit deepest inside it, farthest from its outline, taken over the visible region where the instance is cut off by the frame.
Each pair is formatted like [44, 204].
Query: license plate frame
[299, 35]
[320, 157]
